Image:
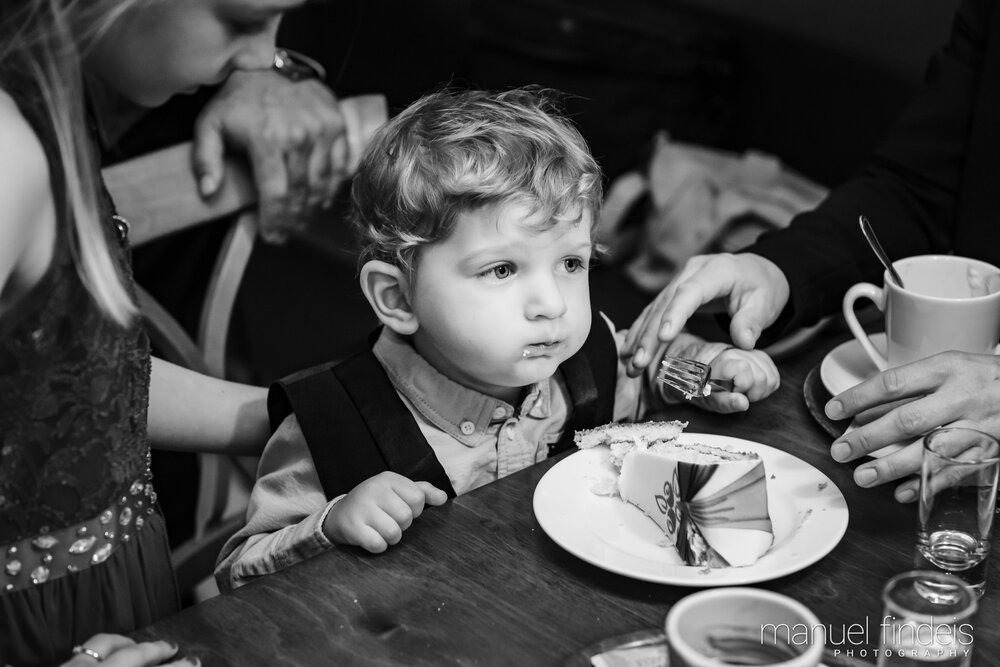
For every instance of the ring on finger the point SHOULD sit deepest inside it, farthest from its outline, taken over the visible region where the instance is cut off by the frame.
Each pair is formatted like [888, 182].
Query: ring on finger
[89, 652]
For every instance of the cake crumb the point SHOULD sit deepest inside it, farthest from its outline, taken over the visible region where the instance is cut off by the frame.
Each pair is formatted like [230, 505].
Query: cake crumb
[821, 486]
[705, 570]
[772, 476]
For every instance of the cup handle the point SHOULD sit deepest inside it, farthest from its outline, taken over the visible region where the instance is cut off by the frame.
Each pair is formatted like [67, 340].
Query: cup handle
[877, 296]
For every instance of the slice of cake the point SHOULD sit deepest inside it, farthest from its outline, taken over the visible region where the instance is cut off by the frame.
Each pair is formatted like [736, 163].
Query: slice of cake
[623, 438]
[711, 502]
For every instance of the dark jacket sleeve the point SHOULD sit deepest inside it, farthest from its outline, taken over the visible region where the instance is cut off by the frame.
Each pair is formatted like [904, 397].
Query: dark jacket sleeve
[909, 190]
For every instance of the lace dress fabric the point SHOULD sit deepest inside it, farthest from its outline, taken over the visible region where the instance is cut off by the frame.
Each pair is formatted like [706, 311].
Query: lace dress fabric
[74, 391]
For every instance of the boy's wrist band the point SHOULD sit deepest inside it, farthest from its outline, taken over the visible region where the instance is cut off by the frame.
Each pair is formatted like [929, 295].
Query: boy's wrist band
[296, 66]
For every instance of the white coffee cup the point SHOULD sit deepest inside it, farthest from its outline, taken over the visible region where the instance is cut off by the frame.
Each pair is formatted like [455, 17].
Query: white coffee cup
[737, 625]
[948, 303]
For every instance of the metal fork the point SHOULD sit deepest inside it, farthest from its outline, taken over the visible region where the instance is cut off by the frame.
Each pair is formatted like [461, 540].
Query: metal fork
[691, 378]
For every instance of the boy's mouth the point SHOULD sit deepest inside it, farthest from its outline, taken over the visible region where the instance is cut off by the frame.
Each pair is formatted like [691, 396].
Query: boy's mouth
[540, 349]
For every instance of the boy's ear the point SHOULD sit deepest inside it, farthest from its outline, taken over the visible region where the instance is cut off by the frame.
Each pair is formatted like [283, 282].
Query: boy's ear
[386, 288]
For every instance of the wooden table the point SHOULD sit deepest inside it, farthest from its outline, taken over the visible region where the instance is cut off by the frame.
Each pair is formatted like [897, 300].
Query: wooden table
[477, 581]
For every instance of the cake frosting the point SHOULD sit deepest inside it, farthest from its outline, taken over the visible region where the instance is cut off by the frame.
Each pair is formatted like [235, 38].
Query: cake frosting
[710, 501]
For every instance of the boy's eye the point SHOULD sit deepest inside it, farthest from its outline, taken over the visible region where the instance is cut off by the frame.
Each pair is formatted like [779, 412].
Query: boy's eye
[500, 272]
[574, 264]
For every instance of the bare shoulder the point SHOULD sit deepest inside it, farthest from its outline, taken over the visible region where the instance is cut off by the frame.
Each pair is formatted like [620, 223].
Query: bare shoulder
[27, 211]
[22, 160]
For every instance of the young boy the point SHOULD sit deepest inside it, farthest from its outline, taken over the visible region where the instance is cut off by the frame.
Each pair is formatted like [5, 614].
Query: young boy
[476, 212]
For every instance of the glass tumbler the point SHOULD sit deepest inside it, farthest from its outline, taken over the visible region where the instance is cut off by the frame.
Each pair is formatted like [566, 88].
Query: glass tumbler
[926, 618]
[958, 492]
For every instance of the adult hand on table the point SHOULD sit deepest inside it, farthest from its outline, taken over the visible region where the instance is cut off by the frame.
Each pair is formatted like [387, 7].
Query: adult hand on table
[753, 288]
[901, 404]
[294, 136]
[118, 651]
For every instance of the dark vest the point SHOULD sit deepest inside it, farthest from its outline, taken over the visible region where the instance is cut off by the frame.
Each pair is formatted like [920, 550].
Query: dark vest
[356, 425]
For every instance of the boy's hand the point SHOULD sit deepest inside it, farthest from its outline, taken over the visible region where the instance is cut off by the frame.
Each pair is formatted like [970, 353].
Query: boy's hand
[754, 377]
[377, 511]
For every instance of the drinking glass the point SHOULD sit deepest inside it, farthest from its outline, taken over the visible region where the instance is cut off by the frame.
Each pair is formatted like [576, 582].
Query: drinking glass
[958, 492]
[926, 618]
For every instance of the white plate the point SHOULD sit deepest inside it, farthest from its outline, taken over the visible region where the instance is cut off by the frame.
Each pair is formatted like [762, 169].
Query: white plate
[808, 517]
[847, 365]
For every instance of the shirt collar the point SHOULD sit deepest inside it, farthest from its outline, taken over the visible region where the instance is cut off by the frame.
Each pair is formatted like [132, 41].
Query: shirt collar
[464, 414]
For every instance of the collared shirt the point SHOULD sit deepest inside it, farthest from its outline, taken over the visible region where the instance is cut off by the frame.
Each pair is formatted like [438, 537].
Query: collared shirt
[477, 439]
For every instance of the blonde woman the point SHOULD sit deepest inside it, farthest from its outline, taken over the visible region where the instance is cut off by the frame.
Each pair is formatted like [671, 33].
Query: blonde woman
[83, 548]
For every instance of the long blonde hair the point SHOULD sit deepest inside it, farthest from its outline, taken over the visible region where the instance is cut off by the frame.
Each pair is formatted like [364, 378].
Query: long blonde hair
[47, 40]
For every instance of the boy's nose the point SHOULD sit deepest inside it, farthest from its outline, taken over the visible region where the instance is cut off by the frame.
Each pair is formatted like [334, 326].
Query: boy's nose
[545, 300]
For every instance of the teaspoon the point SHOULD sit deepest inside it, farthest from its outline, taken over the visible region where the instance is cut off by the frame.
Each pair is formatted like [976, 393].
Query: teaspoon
[869, 233]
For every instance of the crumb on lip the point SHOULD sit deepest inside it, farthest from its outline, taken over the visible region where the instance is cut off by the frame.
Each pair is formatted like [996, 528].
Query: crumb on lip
[540, 347]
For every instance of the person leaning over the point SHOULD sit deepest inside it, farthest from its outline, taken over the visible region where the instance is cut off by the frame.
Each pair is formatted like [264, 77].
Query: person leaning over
[83, 546]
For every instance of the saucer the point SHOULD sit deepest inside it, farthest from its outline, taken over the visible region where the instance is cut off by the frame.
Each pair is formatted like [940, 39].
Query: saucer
[847, 365]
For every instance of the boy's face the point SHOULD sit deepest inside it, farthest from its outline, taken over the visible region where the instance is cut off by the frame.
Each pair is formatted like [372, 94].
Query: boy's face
[500, 303]
[159, 48]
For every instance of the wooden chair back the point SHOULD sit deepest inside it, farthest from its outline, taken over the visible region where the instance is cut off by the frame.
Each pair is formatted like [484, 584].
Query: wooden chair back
[158, 195]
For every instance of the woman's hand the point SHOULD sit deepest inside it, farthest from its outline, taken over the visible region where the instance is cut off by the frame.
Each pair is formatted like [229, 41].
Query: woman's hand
[901, 404]
[118, 651]
[753, 288]
[294, 135]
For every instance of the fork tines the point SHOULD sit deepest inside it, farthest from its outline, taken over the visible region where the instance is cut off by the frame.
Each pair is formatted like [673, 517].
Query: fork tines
[685, 375]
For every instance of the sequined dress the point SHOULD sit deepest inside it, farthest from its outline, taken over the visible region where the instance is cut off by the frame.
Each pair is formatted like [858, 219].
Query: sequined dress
[83, 546]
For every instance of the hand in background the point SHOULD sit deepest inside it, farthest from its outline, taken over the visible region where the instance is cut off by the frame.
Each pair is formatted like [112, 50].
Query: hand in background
[292, 132]
[753, 289]
[119, 651]
[901, 404]
[375, 513]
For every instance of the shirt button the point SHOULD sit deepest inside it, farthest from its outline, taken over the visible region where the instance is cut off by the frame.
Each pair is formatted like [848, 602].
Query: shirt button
[500, 413]
[468, 428]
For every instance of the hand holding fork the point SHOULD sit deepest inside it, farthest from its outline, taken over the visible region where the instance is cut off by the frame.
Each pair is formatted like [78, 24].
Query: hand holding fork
[691, 378]
[743, 376]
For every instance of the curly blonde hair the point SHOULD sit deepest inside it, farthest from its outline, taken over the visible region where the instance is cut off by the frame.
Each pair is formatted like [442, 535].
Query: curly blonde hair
[453, 152]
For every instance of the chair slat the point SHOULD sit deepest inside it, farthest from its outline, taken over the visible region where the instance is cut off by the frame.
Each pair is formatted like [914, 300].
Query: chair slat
[157, 192]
